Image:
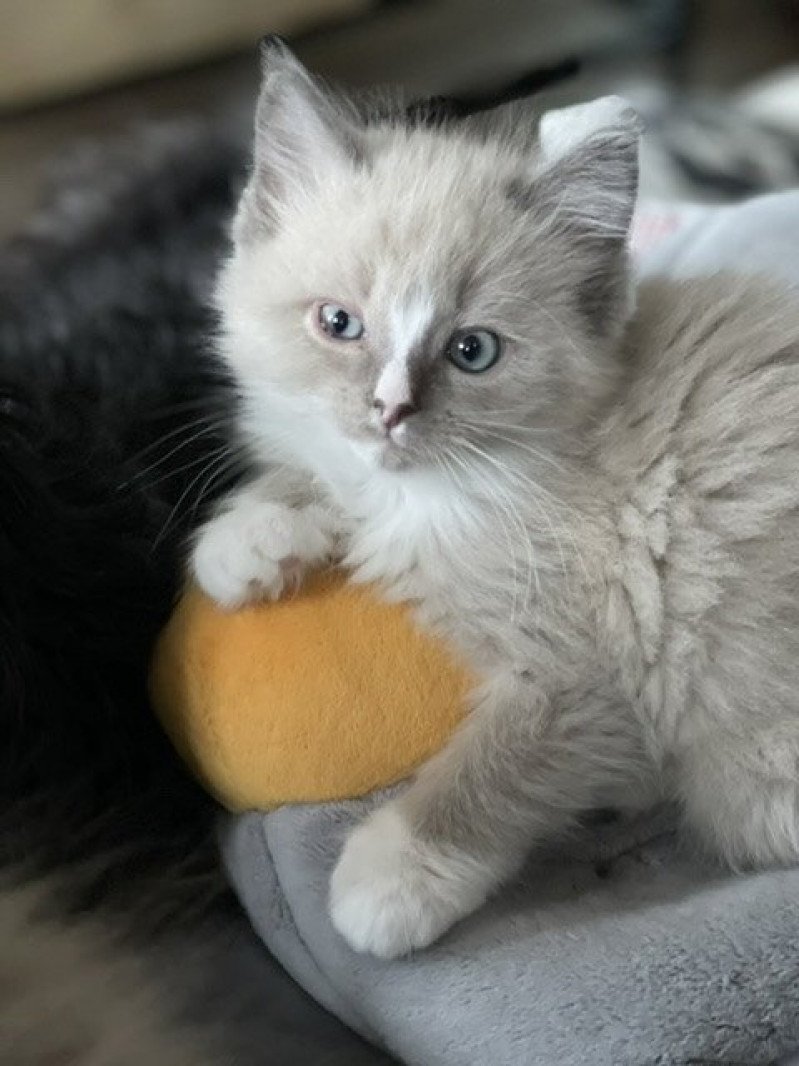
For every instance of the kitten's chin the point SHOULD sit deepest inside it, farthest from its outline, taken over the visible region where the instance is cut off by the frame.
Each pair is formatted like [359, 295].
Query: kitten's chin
[382, 455]
[394, 458]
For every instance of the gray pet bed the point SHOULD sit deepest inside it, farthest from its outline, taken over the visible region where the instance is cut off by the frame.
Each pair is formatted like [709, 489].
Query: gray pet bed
[614, 950]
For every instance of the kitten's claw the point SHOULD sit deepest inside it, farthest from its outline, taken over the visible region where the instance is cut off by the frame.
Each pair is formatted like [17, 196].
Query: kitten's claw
[258, 552]
[392, 893]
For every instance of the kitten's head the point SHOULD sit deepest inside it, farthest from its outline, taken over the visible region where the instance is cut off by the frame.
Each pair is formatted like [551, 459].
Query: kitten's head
[431, 290]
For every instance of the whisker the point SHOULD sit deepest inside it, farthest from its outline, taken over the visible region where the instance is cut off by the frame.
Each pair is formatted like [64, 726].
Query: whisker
[203, 432]
[218, 469]
[205, 421]
[500, 513]
[525, 533]
[485, 428]
[220, 403]
[220, 472]
[187, 466]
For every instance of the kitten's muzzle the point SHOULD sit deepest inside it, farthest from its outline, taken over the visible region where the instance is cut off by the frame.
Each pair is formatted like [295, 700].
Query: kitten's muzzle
[391, 415]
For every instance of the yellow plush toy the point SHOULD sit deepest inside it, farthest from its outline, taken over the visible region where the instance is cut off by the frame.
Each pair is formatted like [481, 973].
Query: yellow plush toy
[323, 696]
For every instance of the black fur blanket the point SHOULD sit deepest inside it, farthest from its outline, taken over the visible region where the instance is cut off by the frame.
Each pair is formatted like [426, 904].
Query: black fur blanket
[112, 425]
[111, 419]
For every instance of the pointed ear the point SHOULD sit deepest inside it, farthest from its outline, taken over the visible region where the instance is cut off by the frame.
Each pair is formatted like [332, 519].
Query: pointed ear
[589, 164]
[586, 186]
[301, 131]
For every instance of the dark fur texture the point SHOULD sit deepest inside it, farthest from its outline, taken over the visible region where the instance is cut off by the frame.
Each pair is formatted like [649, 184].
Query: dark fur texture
[104, 381]
[103, 376]
[112, 411]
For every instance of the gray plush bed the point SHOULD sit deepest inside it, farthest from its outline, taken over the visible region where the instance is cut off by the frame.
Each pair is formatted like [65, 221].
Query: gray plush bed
[615, 950]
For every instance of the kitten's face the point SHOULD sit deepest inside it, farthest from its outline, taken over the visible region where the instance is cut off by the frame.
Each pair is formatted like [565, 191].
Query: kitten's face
[419, 294]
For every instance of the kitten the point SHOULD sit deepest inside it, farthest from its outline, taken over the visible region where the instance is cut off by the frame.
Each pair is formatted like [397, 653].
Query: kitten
[446, 384]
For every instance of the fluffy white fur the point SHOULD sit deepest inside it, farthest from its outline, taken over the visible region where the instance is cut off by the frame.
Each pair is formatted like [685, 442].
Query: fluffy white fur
[606, 522]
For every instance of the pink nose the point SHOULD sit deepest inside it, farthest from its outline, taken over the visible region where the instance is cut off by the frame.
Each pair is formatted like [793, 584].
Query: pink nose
[392, 415]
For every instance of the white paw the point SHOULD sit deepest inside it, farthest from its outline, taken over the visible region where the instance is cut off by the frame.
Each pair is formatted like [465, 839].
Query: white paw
[391, 893]
[257, 550]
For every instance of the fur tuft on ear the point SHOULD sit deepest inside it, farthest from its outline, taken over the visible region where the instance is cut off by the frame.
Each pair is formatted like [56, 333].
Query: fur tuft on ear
[301, 131]
[585, 186]
[588, 165]
[563, 130]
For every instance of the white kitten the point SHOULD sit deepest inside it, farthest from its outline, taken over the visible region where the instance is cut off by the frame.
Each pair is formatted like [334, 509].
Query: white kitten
[445, 385]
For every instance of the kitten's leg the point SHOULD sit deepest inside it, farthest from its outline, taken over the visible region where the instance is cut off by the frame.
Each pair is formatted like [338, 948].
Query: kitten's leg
[255, 546]
[517, 772]
[741, 795]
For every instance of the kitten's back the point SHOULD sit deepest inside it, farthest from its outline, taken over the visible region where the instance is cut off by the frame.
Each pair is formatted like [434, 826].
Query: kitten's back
[710, 376]
[703, 446]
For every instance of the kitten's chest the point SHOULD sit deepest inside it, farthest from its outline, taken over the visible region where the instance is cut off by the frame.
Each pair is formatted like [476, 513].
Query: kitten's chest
[406, 548]
[444, 560]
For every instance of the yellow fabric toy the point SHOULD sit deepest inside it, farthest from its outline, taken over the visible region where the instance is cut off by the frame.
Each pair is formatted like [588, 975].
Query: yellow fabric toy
[323, 696]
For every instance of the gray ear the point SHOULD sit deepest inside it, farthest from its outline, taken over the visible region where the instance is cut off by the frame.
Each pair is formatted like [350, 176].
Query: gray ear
[301, 132]
[586, 185]
[589, 163]
[566, 128]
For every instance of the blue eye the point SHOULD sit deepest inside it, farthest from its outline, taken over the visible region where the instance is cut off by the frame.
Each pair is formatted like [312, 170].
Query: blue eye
[340, 323]
[474, 350]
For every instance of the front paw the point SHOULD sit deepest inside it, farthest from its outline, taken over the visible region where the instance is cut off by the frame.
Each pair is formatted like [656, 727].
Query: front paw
[391, 892]
[257, 551]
